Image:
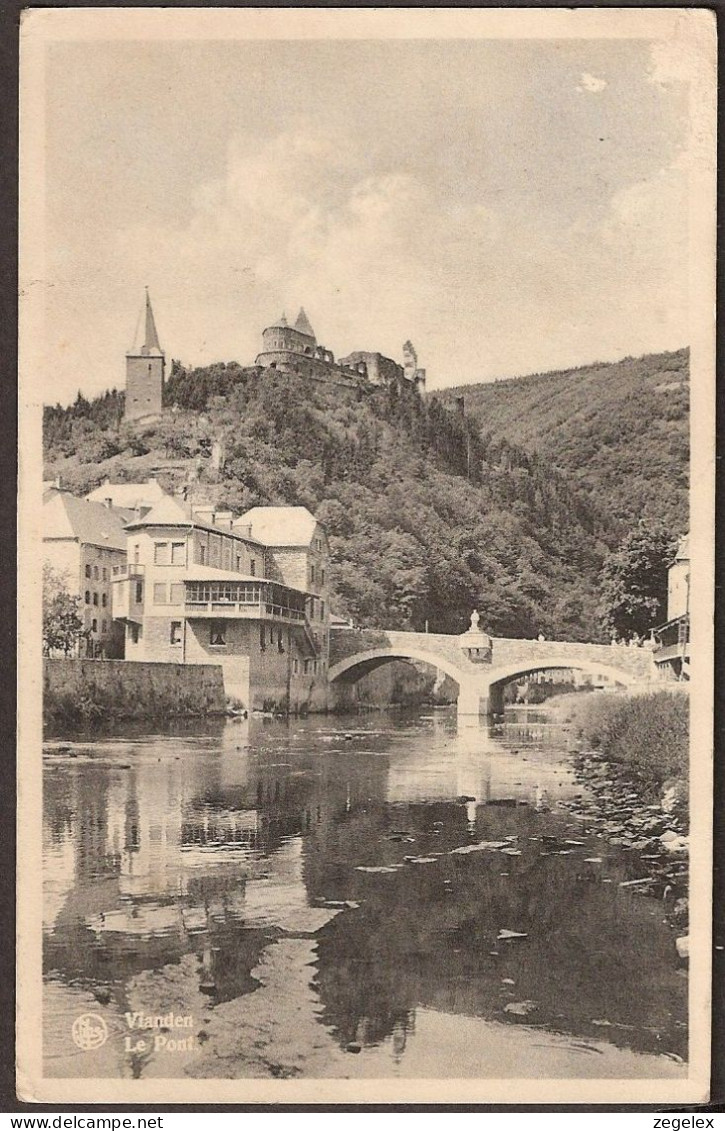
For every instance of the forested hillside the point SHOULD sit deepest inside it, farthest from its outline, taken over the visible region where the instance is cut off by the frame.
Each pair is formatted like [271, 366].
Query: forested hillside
[427, 517]
[619, 432]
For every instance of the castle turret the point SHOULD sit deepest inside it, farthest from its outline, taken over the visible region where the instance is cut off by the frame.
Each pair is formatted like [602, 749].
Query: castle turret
[145, 364]
[303, 324]
[410, 364]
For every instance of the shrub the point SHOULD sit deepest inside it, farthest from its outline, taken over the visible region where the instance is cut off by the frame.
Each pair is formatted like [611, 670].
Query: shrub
[648, 735]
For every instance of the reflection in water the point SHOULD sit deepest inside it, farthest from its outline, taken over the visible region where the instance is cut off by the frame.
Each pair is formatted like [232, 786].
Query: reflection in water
[209, 846]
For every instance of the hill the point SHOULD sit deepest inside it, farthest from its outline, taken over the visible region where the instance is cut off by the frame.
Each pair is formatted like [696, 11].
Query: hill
[619, 432]
[428, 518]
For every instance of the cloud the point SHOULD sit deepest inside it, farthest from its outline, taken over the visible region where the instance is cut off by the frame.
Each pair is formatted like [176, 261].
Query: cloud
[370, 255]
[591, 83]
[378, 255]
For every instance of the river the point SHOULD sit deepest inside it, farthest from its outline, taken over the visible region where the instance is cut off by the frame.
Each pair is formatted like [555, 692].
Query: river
[389, 895]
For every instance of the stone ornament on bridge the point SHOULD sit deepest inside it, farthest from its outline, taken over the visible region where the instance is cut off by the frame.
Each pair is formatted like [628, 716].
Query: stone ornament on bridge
[476, 643]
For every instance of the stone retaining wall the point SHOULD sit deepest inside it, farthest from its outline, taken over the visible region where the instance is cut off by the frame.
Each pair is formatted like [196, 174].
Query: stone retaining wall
[94, 689]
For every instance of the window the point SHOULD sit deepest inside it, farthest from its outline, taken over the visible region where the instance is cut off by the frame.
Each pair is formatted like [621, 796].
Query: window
[88, 597]
[202, 554]
[295, 667]
[136, 552]
[95, 598]
[161, 553]
[177, 593]
[159, 593]
[239, 563]
[104, 574]
[88, 571]
[139, 592]
[314, 667]
[312, 574]
[307, 666]
[104, 626]
[271, 634]
[280, 645]
[175, 632]
[253, 567]
[178, 553]
[322, 577]
[133, 630]
[312, 608]
[104, 599]
[217, 632]
[94, 625]
[322, 610]
[262, 637]
[95, 573]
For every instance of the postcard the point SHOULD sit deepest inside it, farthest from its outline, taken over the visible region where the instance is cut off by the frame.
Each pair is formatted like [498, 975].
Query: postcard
[366, 555]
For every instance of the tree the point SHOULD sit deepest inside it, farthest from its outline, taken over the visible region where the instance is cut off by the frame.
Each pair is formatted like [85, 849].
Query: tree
[633, 581]
[62, 623]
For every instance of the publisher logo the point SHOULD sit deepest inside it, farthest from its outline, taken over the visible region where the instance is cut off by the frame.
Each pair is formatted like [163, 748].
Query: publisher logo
[89, 1031]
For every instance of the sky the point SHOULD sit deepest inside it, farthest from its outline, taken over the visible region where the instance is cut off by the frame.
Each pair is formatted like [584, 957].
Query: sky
[511, 206]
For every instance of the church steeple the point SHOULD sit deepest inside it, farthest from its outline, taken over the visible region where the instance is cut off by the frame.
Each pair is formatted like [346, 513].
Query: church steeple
[145, 363]
[146, 343]
[152, 337]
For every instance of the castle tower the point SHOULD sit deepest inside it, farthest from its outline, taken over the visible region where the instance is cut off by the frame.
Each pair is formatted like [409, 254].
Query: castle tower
[410, 364]
[145, 363]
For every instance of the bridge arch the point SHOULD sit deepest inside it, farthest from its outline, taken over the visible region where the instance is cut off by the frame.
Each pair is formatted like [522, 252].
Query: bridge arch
[361, 663]
[498, 676]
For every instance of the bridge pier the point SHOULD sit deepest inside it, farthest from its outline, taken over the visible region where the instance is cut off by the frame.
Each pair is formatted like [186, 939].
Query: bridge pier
[474, 699]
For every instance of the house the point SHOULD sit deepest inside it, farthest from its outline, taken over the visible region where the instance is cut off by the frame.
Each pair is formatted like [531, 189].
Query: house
[130, 496]
[249, 594]
[672, 639]
[85, 542]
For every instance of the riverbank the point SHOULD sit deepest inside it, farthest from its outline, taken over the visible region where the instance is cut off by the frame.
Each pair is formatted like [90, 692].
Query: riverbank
[632, 754]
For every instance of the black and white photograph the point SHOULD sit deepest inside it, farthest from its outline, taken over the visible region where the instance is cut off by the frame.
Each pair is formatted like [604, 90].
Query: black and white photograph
[366, 550]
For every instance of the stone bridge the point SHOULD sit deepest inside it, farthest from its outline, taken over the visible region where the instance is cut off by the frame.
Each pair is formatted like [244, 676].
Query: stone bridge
[482, 665]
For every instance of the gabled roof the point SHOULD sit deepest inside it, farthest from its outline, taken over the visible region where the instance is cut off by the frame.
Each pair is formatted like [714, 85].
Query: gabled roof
[129, 495]
[281, 526]
[67, 516]
[168, 511]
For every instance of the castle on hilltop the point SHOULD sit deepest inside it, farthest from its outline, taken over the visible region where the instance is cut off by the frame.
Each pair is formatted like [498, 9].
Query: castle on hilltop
[288, 349]
[294, 349]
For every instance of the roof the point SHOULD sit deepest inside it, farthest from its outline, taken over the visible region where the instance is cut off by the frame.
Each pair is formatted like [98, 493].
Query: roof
[303, 324]
[67, 516]
[170, 511]
[211, 573]
[129, 495]
[146, 341]
[281, 526]
[282, 323]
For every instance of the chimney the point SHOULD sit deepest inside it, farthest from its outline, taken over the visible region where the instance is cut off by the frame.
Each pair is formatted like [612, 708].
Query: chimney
[243, 529]
[223, 519]
[108, 503]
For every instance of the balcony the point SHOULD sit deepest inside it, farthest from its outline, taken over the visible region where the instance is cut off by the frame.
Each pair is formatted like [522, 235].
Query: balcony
[128, 584]
[673, 640]
[127, 572]
[243, 599]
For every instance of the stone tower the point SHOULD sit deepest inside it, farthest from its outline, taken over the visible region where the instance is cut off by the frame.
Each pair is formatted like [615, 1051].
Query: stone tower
[145, 363]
